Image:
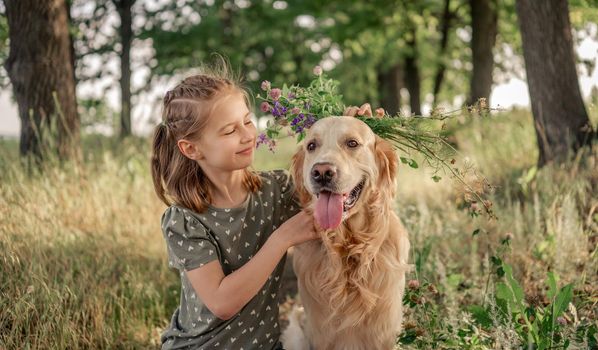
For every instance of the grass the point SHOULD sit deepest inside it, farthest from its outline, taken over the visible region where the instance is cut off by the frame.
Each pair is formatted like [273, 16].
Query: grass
[83, 262]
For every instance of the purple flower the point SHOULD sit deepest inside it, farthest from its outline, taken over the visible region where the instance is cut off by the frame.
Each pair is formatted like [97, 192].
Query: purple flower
[278, 110]
[307, 105]
[309, 121]
[318, 70]
[265, 107]
[265, 85]
[275, 94]
[291, 96]
[297, 119]
[263, 139]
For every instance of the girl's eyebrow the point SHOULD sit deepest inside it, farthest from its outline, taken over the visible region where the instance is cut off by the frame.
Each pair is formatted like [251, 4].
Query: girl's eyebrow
[231, 123]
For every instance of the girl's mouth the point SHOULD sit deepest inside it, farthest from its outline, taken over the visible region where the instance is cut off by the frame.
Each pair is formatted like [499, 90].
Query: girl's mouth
[246, 151]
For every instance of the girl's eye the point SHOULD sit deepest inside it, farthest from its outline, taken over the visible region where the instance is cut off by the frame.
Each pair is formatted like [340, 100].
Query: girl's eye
[230, 132]
[311, 146]
[248, 122]
[352, 143]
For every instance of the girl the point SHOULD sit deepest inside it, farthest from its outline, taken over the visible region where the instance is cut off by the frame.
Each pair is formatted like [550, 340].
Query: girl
[227, 228]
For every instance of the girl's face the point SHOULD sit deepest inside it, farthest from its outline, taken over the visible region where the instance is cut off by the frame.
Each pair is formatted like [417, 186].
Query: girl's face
[227, 142]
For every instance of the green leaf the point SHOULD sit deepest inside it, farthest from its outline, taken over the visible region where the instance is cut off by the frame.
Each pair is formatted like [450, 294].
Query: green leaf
[412, 163]
[514, 285]
[496, 261]
[562, 300]
[436, 178]
[475, 232]
[551, 285]
[511, 291]
[500, 272]
[481, 315]
[408, 337]
[300, 137]
[503, 292]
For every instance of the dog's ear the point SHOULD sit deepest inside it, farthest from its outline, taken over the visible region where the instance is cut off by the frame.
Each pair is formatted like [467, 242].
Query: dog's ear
[297, 175]
[387, 162]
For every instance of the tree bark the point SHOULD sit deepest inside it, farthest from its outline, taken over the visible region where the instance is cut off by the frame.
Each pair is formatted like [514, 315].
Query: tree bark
[390, 83]
[40, 69]
[444, 31]
[484, 15]
[560, 117]
[412, 79]
[126, 38]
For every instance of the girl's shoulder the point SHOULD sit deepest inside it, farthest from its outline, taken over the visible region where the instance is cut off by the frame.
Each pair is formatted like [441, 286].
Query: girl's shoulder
[278, 177]
[181, 217]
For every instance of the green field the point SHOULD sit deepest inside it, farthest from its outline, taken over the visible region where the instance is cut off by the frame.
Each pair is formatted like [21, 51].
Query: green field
[83, 263]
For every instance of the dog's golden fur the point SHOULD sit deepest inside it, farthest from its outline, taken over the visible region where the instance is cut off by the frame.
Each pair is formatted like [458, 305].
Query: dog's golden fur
[351, 282]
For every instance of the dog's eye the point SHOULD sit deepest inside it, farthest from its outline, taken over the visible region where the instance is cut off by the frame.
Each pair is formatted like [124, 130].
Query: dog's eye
[311, 146]
[352, 143]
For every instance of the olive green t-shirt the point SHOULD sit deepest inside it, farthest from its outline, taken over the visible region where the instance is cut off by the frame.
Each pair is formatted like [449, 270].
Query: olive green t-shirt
[233, 236]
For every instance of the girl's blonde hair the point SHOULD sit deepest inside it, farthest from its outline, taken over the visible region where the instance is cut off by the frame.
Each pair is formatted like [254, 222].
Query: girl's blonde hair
[178, 179]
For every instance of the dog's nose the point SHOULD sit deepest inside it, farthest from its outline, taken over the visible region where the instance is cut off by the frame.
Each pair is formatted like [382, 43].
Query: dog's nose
[323, 173]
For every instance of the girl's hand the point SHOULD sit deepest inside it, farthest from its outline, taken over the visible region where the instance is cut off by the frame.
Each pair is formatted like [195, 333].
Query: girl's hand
[365, 110]
[298, 229]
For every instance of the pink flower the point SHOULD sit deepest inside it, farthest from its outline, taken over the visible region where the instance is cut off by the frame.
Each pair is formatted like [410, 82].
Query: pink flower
[265, 85]
[295, 110]
[275, 94]
[413, 284]
[265, 107]
[318, 70]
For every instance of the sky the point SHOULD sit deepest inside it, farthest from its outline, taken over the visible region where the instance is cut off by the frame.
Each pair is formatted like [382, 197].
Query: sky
[513, 92]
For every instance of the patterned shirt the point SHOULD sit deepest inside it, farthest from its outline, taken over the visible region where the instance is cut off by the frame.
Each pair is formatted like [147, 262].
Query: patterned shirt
[233, 236]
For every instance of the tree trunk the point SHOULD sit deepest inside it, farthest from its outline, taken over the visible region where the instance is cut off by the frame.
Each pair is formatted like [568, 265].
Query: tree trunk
[444, 31]
[560, 117]
[69, 20]
[484, 15]
[126, 38]
[412, 80]
[40, 69]
[389, 83]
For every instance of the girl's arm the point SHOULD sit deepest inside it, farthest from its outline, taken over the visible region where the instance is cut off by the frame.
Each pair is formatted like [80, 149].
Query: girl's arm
[224, 295]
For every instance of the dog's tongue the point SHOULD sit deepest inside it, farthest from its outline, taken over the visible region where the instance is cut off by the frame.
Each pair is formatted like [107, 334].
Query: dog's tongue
[329, 210]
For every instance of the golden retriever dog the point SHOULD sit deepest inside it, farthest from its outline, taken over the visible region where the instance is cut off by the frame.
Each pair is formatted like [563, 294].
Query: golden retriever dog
[350, 283]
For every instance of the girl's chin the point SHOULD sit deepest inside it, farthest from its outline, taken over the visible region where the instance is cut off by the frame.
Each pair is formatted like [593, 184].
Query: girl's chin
[244, 163]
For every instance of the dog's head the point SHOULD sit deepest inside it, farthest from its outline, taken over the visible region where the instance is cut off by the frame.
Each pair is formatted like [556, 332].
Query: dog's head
[340, 162]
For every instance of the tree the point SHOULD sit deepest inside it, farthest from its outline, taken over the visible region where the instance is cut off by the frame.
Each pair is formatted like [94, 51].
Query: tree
[445, 30]
[484, 15]
[40, 69]
[390, 84]
[560, 117]
[412, 76]
[98, 39]
[126, 38]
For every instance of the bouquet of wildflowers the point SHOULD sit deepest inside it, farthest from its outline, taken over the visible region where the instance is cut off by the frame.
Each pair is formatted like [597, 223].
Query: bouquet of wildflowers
[295, 109]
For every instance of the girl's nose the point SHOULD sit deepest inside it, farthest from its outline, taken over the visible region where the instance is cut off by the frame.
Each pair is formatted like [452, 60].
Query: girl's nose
[249, 133]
